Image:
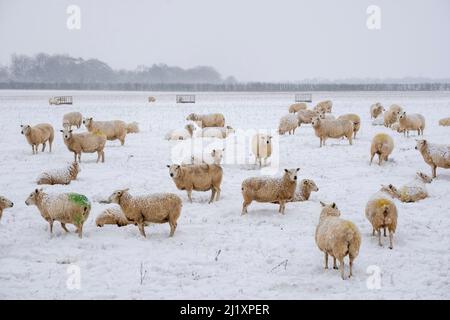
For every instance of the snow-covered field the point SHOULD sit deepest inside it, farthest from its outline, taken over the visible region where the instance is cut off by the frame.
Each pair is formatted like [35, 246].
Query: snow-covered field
[216, 253]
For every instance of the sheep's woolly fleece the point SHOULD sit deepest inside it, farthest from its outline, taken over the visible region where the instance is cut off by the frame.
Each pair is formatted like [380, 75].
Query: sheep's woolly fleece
[216, 253]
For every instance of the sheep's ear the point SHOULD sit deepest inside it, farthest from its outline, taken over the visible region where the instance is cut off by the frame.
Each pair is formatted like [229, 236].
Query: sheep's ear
[61, 130]
[322, 204]
[213, 151]
[178, 166]
[390, 185]
[70, 131]
[36, 191]
[286, 170]
[126, 190]
[168, 166]
[333, 205]
[21, 125]
[298, 169]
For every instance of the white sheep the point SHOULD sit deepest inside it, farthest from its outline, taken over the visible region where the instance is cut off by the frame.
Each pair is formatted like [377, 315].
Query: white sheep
[435, 155]
[303, 191]
[133, 127]
[4, 204]
[355, 119]
[337, 237]
[390, 117]
[213, 156]
[72, 119]
[261, 147]
[60, 176]
[215, 132]
[296, 107]
[412, 191]
[306, 116]
[409, 122]
[269, 189]
[375, 110]
[207, 120]
[39, 134]
[325, 129]
[151, 99]
[154, 208]
[85, 142]
[325, 116]
[66, 208]
[288, 123]
[382, 144]
[324, 106]
[445, 122]
[113, 130]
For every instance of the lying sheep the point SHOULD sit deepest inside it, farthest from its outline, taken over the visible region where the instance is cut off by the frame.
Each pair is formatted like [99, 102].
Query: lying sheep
[288, 123]
[269, 189]
[306, 116]
[60, 176]
[202, 177]
[409, 122]
[324, 106]
[412, 191]
[207, 120]
[445, 122]
[325, 129]
[72, 119]
[151, 99]
[154, 208]
[337, 237]
[435, 155]
[382, 213]
[4, 204]
[113, 130]
[112, 215]
[261, 147]
[66, 208]
[133, 127]
[375, 110]
[390, 117]
[296, 107]
[216, 132]
[303, 191]
[382, 144]
[355, 119]
[85, 142]
[213, 156]
[39, 134]
[188, 132]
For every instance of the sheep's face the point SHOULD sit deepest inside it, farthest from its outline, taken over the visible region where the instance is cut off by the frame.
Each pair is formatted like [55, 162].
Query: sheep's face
[315, 122]
[67, 134]
[217, 154]
[116, 195]
[265, 139]
[291, 174]
[421, 145]
[425, 178]
[329, 210]
[32, 197]
[310, 185]
[5, 203]
[25, 129]
[230, 130]
[174, 170]
[76, 166]
[87, 121]
[192, 117]
[401, 115]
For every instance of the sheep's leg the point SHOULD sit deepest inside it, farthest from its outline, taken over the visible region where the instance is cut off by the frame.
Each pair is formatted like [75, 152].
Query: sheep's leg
[379, 237]
[50, 146]
[379, 159]
[282, 205]
[213, 194]
[36, 148]
[189, 193]
[334, 264]
[103, 156]
[217, 194]
[63, 225]
[373, 232]
[122, 141]
[341, 267]
[79, 157]
[50, 222]
[326, 260]
[99, 155]
[173, 226]
[433, 171]
[80, 231]
[391, 239]
[141, 228]
[371, 158]
[43, 146]
[32, 148]
[350, 140]
[350, 265]
[244, 207]
[75, 156]
[384, 229]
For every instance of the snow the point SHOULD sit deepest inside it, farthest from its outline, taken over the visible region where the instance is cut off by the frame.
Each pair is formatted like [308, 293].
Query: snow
[216, 253]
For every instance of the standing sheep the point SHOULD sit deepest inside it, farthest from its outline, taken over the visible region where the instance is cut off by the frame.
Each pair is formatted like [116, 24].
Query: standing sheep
[133, 127]
[288, 123]
[151, 99]
[154, 208]
[208, 120]
[268, 189]
[382, 144]
[375, 110]
[39, 134]
[296, 107]
[261, 147]
[445, 122]
[355, 119]
[390, 117]
[4, 204]
[324, 106]
[60, 176]
[303, 191]
[325, 129]
[412, 191]
[84, 142]
[382, 213]
[337, 237]
[435, 155]
[70, 208]
[72, 119]
[116, 129]
[202, 177]
[413, 121]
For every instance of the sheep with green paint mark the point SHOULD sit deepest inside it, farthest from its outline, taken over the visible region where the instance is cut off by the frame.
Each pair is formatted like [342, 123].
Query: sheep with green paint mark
[66, 208]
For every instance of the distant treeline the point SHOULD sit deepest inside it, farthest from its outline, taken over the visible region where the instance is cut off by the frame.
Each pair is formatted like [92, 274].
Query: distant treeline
[237, 87]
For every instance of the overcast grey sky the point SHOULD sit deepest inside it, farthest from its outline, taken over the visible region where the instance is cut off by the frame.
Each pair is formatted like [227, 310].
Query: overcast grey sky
[261, 40]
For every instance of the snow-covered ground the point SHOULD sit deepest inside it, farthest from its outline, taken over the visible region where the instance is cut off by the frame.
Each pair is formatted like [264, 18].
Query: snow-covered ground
[216, 253]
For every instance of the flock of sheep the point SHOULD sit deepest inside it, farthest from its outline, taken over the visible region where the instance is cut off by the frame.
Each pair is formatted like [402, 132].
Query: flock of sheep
[334, 236]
